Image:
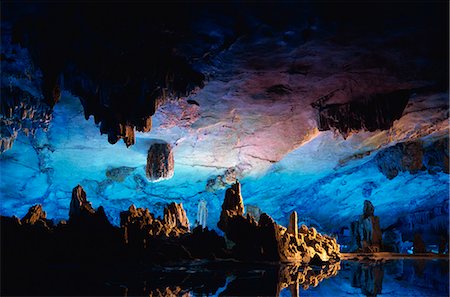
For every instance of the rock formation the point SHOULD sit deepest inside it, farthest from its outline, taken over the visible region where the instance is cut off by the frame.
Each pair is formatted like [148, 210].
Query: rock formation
[79, 203]
[266, 240]
[232, 206]
[414, 156]
[175, 218]
[377, 111]
[221, 181]
[139, 225]
[418, 244]
[121, 80]
[160, 163]
[392, 241]
[254, 211]
[202, 214]
[366, 232]
[34, 214]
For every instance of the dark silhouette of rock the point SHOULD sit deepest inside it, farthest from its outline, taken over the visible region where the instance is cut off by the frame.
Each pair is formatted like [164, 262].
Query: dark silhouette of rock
[368, 277]
[374, 112]
[160, 163]
[418, 244]
[79, 203]
[232, 206]
[366, 232]
[120, 78]
[392, 241]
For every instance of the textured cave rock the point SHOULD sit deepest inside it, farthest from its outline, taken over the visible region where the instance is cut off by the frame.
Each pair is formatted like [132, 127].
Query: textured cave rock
[37, 216]
[418, 244]
[22, 108]
[266, 240]
[139, 225]
[221, 181]
[202, 214]
[254, 211]
[374, 112]
[175, 217]
[232, 206]
[366, 232]
[414, 156]
[392, 241]
[120, 78]
[431, 223]
[79, 203]
[160, 162]
[119, 174]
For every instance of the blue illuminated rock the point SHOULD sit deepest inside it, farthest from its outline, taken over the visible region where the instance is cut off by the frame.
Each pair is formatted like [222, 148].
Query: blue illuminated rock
[366, 232]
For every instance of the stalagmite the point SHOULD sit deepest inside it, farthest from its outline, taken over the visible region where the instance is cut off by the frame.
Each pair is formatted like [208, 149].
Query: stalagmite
[202, 213]
[293, 224]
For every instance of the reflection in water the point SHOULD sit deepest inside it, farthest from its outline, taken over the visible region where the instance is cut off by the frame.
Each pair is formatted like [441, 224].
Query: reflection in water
[346, 278]
[406, 277]
[293, 276]
[368, 277]
[416, 277]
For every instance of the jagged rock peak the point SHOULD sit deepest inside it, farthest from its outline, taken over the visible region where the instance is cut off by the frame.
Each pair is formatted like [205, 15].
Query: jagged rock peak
[175, 216]
[34, 214]
[79, 203]
[368, 209]
[233, 205]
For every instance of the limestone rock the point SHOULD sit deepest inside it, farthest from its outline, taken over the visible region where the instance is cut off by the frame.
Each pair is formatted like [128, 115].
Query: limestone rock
[414, 156]
[392, 241]
[36, 216]
[202, 214]
[369, 209]
[119, 174]
[366, 232]
[160, 162]
[175, 217]
[232, 206]
[266, 240]
[139, 225]
[79, 203]
[419, 244]
[221, 181]
[254, 211]
[376, 111]
[293, 225]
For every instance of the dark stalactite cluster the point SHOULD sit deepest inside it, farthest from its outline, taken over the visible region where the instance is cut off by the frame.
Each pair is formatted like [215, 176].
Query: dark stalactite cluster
[374, 112]
[120, 77]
